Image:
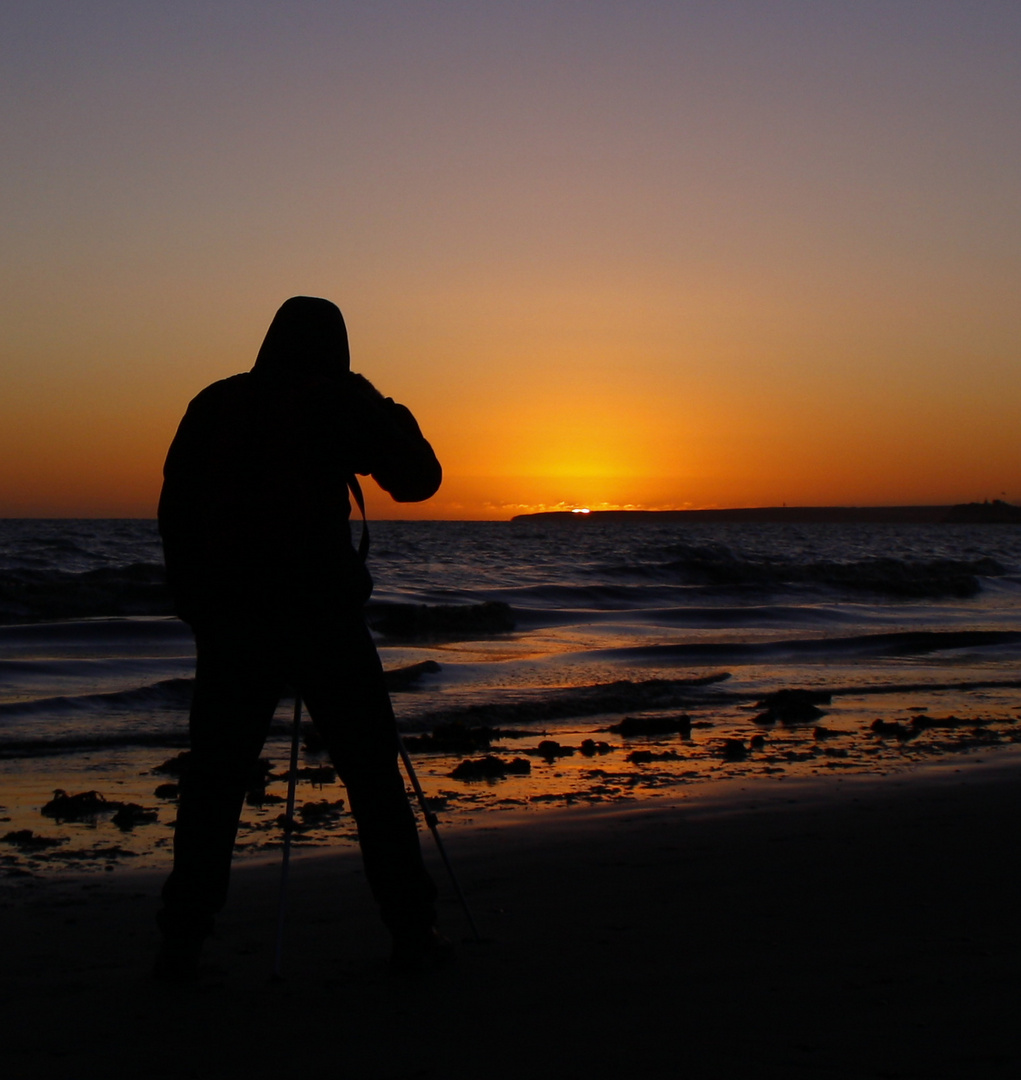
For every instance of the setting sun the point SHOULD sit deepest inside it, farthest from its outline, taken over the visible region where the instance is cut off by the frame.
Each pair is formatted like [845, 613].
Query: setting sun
[770, 289]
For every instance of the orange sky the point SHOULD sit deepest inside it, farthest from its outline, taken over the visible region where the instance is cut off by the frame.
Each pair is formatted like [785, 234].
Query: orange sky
[668, 256]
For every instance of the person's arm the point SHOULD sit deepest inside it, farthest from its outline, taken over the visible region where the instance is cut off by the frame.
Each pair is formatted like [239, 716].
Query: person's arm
[397, 455]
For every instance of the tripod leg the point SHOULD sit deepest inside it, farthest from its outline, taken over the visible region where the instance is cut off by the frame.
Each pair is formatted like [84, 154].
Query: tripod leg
[292, 783]
[431, 821]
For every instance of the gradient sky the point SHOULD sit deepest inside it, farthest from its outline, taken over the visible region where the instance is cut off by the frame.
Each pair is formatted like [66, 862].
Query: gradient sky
[611, 254]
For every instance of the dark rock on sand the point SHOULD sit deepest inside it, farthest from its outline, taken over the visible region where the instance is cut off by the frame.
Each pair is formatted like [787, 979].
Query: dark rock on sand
[923, 721]
[80, 807]
[101, 852]
[26, 840]
[87, 805]
[792, 706]
[644, 757]
[490, 768]
[322, 812]
[259, 796]
[457, 737]
[174, 766]
[893, 729]
[131, 814]
[550, 749]
[167, 791]
[589, 747]
[757, 742]
[632, 726]
[734, 750]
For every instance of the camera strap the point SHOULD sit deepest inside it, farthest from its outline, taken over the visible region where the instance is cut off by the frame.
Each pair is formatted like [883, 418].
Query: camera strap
[356, 491]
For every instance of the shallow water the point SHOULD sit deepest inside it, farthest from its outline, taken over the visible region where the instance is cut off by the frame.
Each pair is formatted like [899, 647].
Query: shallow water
[901, 620]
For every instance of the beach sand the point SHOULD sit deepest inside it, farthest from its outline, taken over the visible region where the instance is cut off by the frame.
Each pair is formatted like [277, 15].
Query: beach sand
[854, 927]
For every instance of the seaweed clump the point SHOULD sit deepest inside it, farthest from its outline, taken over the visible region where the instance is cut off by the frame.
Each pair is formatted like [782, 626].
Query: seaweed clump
[490, 767]
[792, 706]
[84, 806]
[645, 757]
[88, 805]
[26, 840]
[632, 726]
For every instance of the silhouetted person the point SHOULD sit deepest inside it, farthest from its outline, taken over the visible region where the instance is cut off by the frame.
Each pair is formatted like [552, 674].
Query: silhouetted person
[254, 516]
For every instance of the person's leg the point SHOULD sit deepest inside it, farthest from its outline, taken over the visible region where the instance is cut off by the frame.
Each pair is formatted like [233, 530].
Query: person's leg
[341, 680]
[237, 686]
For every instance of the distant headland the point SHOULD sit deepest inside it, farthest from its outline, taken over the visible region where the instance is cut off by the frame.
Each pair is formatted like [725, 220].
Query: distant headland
[996, 512]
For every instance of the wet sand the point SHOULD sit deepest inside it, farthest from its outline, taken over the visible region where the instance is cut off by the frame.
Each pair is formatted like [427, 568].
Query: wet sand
[642, 750]
[853, 927]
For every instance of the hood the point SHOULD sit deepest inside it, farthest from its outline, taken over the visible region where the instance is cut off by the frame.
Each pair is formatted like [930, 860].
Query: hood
[307, 338]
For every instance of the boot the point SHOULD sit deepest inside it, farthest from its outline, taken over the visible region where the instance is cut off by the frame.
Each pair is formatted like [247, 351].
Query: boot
[421, 952]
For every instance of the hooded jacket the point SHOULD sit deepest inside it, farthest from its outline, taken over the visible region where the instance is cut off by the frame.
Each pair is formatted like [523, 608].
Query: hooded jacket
[254, 512]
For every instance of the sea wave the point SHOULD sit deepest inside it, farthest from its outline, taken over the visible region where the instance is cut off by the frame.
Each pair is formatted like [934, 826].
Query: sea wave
[535, 706]
[716, 566]
[51, 570]
[29, 595]
[165, 694]
[86, 742]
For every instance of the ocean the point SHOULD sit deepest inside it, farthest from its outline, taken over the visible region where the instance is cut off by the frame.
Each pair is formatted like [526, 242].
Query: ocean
[537, 664]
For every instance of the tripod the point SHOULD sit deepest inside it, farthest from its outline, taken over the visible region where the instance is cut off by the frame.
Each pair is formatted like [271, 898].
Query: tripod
[292, 781]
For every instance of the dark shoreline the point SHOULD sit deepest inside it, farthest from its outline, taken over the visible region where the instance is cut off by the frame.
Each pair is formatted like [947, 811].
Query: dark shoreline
[994, 513]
